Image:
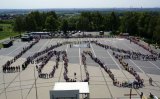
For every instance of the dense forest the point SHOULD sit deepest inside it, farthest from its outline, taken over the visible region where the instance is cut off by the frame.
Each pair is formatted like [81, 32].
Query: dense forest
[143, 24]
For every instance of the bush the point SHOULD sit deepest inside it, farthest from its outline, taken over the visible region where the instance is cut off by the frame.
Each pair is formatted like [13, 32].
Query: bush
[1, 29]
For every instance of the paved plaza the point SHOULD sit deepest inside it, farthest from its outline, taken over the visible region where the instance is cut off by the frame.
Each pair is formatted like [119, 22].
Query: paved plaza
[21, 85]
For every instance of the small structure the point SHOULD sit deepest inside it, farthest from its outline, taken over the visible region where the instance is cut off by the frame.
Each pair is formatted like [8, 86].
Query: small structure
[26, 38]
[7, 43]
[69, 90]
[41, 34]
[101, 33]
[124, 34]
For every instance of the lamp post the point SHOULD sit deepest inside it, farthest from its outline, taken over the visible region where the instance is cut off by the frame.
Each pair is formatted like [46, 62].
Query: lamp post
[35, 83]
[4, 86]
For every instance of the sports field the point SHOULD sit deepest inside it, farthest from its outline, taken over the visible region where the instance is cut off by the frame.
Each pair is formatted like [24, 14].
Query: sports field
[21, 85]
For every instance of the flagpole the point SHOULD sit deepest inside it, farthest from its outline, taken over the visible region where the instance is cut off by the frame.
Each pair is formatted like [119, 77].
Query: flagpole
[35, 84]
[4, 85]
[20, 84]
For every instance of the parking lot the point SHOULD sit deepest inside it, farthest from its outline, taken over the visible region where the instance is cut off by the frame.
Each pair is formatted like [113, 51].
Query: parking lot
[21, 85]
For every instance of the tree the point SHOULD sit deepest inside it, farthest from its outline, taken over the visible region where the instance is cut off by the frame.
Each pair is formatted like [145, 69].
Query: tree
[37, 16]
[1, 28]
[114, 22]
[143, 23]
[129, 23]
[30, 23]
[52, 13]
[72, 23]
[83, 23]
[64, 26]
[156, 33]
[51, 24]
[106, 23]
[19, 24]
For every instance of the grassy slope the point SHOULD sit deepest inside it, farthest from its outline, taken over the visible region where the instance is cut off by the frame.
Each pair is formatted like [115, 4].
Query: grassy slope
[7, 31]
[1, 45]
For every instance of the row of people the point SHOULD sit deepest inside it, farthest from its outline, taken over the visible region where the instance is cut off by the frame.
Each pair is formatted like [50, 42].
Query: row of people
[46, 75]
[25, 49]
[85, 68]
[148, 48]
[36, 55]
[51, 74]
[137, 57]
[117, 83]
[11, 69]
[65, 62]
[138, 82]
[130, 54]
[48, 56]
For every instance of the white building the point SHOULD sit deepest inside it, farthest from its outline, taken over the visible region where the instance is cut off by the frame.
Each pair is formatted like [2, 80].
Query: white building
[70, 90]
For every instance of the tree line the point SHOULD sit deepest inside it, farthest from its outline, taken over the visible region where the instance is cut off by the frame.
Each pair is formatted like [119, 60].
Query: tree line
[144, 24]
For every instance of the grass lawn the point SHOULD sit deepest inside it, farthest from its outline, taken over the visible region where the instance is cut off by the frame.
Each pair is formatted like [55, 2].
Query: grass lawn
[7, 31]
[1, 45]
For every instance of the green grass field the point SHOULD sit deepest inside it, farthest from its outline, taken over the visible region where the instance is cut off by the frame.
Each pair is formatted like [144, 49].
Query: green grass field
[7, 31]
[1, 45]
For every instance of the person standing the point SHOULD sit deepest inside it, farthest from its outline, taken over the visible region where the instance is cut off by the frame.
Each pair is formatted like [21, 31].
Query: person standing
[75, 75]
[141, 95]
[150, 81]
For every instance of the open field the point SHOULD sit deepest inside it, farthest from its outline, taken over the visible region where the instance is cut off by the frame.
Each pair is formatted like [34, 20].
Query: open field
[7, 31]
[21, 85]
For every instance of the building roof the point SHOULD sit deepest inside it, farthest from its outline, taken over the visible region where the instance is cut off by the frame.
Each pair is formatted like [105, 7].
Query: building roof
[40, 32]
[81, 86]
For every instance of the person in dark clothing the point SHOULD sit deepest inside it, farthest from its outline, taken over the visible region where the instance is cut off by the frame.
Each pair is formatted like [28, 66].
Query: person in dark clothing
[141, 95]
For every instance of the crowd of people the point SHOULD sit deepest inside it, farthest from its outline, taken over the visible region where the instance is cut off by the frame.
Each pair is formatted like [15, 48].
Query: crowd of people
[137, 56]
[102, 65]
[7, 66]
[65, 60]
[85, 68]
[148, 48]
[65, 63]
[48, 53]
[138, 83]
[44, 62]
[11, 69]
[129, 54]
[36, 55]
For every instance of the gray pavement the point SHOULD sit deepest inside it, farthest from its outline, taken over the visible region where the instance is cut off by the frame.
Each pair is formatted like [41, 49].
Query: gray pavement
[21, 85]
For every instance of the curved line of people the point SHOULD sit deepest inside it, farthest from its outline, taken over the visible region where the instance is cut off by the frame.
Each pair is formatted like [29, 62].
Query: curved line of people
[25, 49]
[138, 82]
[85, 68]
[65, 60]
[51, 74]
[137, 57]
[117, 83]
[130, 54]
[133, 39]
[31, 58]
